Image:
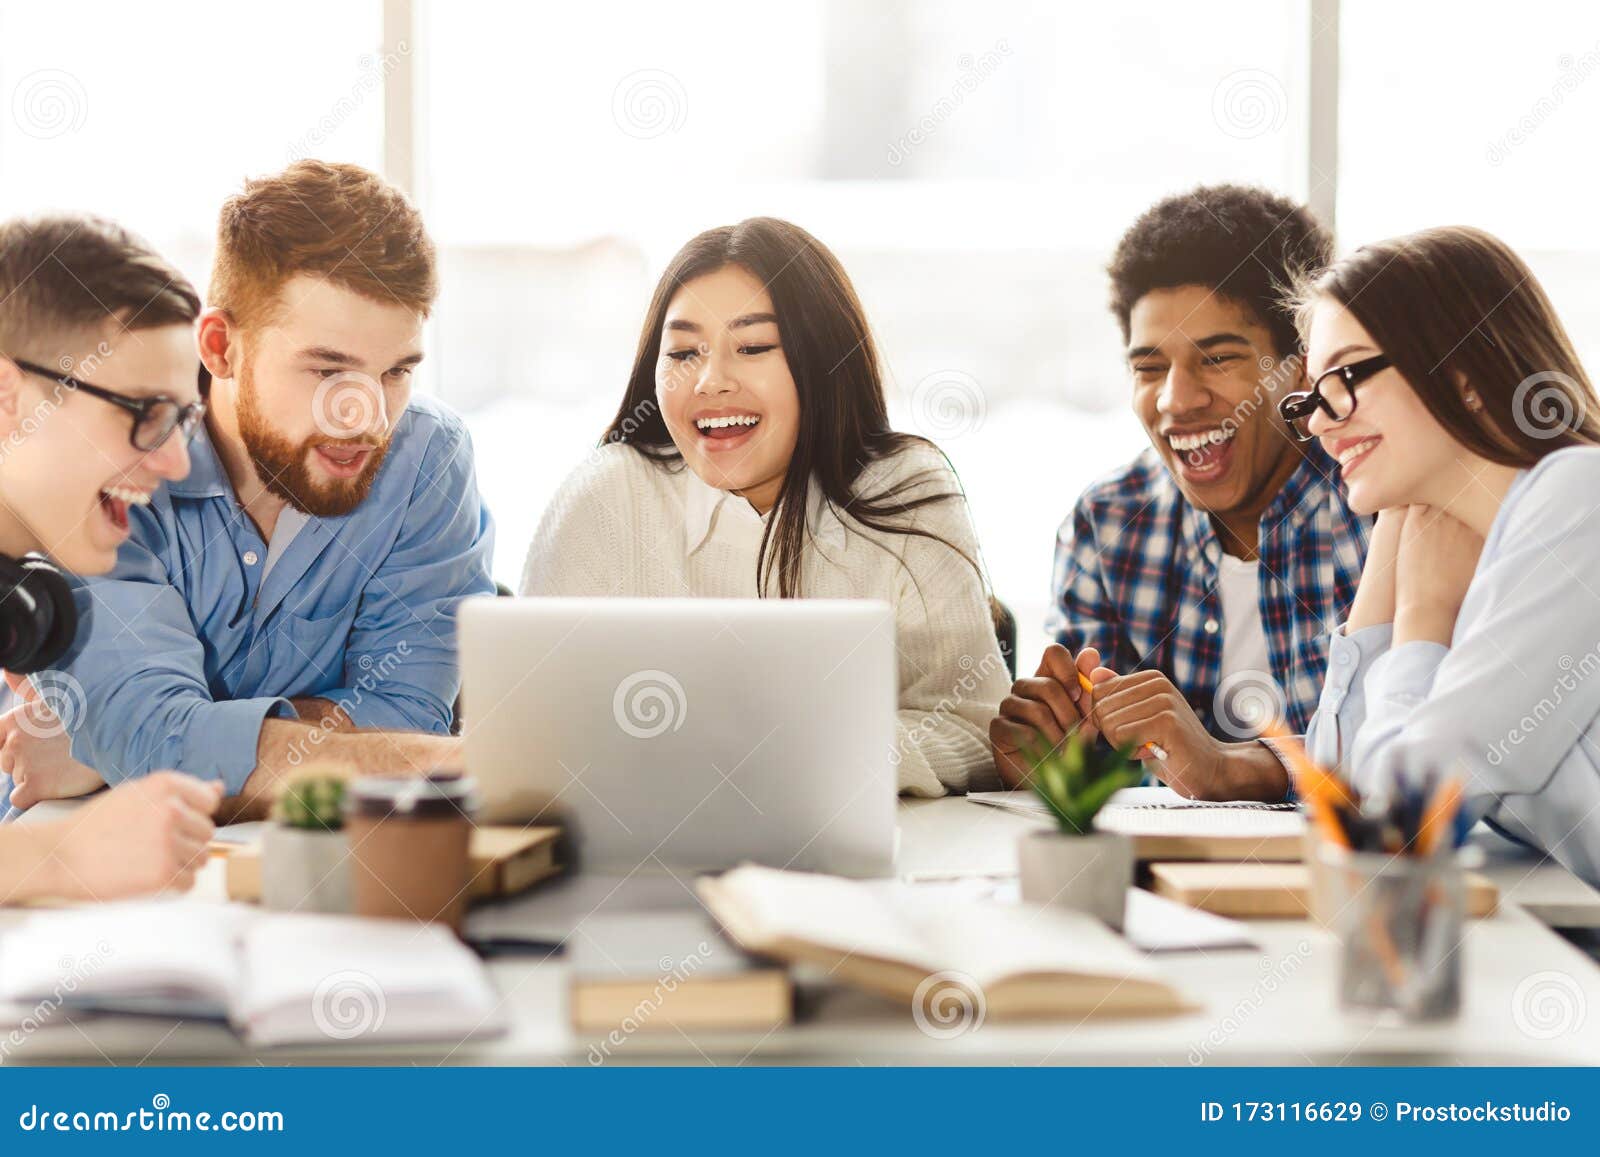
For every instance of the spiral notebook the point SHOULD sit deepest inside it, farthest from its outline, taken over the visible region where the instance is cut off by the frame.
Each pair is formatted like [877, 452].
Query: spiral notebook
[1167, 826]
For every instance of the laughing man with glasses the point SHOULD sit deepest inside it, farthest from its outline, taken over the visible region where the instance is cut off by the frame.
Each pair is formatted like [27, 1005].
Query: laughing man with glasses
[155, 417]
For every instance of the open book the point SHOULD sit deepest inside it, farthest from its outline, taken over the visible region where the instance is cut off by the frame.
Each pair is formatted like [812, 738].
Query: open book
[277, 977]
[912, 944]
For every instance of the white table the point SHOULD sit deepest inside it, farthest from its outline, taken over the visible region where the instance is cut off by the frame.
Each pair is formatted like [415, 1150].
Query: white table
[1275, 1006]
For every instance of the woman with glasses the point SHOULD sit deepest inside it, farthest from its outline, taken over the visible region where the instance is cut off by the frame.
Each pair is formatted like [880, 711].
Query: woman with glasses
[1448, 391]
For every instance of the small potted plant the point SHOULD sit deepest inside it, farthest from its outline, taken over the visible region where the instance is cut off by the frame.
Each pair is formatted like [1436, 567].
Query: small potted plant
[1073, 865]
[305, 856]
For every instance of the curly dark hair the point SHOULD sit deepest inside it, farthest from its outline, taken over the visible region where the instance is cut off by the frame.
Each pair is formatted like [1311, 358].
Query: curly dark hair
[1249, 244]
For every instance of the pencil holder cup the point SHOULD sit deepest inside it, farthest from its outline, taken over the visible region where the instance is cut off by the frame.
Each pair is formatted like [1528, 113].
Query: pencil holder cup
[1399, 920]
[1322, 888]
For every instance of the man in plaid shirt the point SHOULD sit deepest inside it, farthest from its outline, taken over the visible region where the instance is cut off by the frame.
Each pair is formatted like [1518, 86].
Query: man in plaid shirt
[1195, 587]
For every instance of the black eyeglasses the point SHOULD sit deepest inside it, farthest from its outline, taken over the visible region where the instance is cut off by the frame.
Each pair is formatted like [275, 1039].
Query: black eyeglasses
[154, 418]
[1334, 393]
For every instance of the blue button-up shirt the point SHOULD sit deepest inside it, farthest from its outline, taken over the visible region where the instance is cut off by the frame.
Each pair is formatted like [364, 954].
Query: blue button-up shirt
[1512, 705]
[190, 648]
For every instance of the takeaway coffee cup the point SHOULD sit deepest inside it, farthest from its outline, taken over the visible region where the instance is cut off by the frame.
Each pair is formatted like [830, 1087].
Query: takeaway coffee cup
[409, 841]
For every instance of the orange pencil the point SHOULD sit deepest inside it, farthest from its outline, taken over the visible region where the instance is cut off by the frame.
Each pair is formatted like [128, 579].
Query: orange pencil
[1323, 792]
[1440, 816]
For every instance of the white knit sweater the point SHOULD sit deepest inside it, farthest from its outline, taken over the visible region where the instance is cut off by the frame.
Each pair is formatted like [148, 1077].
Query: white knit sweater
[624, 525]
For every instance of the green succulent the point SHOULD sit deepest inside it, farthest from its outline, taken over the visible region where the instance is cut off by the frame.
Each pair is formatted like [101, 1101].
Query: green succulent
[313, 802]
[1076, 778]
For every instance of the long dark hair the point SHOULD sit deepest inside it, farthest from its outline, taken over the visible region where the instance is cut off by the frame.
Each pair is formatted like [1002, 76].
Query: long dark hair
[1457, 305]
[844, 421]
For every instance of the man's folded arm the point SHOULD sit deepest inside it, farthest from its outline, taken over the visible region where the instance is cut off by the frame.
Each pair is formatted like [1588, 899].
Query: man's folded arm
[145, 702]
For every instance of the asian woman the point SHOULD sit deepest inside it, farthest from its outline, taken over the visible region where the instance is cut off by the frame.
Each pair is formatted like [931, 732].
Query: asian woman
[752, 456]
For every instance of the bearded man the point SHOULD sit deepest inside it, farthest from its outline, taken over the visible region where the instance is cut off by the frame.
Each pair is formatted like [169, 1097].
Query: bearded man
[293, 599]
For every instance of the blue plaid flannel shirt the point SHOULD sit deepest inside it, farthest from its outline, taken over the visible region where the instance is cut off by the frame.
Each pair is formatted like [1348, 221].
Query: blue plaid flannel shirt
[1136, 578]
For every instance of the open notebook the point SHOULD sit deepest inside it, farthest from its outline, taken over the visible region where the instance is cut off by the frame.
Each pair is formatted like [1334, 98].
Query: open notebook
[276, 977]
[894, 939]
[1167, 826]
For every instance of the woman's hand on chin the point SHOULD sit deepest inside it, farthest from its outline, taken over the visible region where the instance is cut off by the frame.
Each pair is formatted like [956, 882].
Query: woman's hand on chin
[1375, 596]
[1437, 558]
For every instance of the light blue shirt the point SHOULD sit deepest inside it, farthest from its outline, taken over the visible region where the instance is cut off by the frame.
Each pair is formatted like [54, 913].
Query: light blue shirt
[190, 647]
[1512, 705]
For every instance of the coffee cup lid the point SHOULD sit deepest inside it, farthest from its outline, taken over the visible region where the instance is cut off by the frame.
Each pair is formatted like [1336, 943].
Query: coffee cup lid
[422, 797]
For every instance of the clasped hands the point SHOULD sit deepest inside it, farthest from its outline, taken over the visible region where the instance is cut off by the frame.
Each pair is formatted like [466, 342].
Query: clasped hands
[1135, 709]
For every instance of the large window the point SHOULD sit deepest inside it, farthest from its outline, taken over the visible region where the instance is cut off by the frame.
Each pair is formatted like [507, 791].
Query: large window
[152, 115]
[1517, 153]
[971, 165]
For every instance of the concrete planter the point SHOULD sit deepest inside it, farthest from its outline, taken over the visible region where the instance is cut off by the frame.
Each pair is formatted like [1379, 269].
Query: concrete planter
[305, 871]
[1089, 873]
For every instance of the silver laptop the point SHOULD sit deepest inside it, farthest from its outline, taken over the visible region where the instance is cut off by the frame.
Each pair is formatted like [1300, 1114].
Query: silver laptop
[684, 735]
